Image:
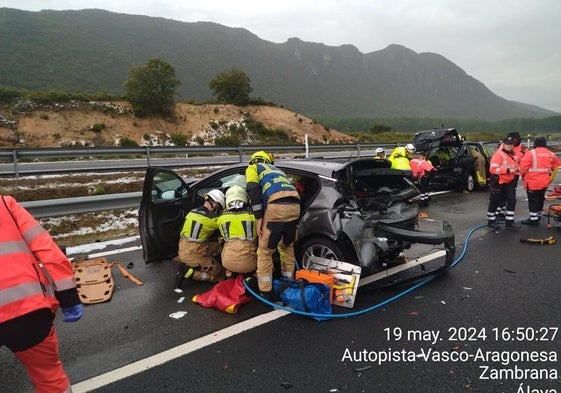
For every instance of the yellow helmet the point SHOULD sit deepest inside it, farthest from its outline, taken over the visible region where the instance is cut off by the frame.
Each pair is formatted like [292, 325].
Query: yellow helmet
[236, 197]
[260, 156]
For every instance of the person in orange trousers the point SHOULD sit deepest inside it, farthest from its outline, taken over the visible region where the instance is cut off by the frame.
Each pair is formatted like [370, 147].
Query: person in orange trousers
[36, 279]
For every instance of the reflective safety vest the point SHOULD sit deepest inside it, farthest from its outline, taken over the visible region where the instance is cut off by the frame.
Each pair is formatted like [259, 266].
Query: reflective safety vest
[199, 225]
[399, 151]
[401, 162]
[34, 272]
[265, 180]
[536, 167]
[237, 225]
[503, 164]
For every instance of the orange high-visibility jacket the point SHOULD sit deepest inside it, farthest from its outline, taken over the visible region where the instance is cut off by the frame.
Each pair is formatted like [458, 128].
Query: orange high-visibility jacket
[536, 166]
[34, 272]
[503, 165]
[420, 167]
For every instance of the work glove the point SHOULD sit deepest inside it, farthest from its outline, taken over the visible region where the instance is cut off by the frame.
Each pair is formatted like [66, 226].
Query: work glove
[72, 313]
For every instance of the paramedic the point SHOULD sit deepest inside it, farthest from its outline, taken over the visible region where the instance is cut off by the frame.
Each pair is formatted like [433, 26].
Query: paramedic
[276, 205]
[35, 279]
[422, 171]
[198, 242]
[536, 168]
[504, 169]
[238, 228]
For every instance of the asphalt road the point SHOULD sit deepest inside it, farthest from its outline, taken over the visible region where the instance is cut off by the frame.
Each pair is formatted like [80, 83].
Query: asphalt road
[488, 325]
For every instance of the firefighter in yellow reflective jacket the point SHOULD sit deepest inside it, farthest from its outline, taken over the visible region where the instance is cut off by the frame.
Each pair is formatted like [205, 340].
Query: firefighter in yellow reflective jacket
[238, 228]
[198, 243]
[276, 205]
[400, 157]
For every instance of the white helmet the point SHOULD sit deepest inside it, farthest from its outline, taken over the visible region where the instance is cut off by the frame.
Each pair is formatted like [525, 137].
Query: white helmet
[217, 196]
[379, 150]
[410, 148]
[236, 197]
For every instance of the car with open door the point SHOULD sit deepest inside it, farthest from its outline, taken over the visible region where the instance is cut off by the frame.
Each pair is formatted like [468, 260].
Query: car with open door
[361, 211]
[461, 165]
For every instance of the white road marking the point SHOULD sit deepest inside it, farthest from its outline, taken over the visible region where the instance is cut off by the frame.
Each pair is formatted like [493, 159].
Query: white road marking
[186, 348]
[113, 252]
[174, 353]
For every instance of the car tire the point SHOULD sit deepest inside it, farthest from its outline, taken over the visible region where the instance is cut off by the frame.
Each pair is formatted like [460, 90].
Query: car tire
[469, 182]
[319, 247]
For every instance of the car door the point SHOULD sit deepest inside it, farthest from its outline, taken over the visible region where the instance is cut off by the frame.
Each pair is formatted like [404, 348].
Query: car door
[166, 199]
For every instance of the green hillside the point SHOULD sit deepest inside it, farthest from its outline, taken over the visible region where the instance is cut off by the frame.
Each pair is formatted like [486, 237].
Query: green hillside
[93, 50]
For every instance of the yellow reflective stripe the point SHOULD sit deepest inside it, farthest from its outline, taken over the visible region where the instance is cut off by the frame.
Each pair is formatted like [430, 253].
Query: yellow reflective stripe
[18, 292]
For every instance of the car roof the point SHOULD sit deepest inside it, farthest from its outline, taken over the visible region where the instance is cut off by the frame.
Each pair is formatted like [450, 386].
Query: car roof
[324, 168]
[321, 167]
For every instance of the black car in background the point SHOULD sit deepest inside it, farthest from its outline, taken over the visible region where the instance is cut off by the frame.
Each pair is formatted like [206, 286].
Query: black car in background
[359, 211]
[461, 165]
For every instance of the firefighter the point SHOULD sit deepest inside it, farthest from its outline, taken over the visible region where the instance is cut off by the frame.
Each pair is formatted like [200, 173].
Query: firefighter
[504, 168]
[379, 154]
[35, 279]
[536, 168]
[238, 228]
[276, 205]
[400, 158]
[422, 171]
[198, 243]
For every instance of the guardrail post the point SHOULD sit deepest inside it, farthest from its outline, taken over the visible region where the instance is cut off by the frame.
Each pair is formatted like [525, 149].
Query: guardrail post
[147, 156]
[358, 150]
[15, 159]
[240, 153]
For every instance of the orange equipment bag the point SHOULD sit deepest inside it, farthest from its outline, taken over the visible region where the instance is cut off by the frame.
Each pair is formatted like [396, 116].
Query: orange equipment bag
[94, 281]
[318, 277]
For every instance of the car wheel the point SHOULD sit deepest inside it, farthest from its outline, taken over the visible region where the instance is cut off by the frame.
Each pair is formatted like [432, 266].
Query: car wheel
[469, 182]
[318, 247]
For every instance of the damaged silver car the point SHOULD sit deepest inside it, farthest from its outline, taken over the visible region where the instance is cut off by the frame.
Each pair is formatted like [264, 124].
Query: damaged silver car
[359, 211]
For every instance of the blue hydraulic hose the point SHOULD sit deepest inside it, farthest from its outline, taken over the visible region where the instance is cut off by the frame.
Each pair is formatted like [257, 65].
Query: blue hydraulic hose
[377, 305]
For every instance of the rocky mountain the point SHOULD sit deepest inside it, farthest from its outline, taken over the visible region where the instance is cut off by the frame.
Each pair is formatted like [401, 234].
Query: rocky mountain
[93, 50]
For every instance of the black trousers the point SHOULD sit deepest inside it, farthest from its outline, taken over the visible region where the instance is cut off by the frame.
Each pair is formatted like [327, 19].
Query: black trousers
[499, 193]
[536, 200]
[26, 331]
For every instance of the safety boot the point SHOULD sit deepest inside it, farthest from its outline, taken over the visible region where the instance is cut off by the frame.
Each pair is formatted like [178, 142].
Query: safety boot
[183, 273]
[493, 224]
[512, 225]
[533, 223]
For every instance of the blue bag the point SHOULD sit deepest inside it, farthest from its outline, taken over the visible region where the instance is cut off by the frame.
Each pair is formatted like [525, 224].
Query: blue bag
[304, 296]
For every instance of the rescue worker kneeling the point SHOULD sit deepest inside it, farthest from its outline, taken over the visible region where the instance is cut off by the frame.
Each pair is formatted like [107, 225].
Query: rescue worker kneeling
[238, 228]
[198, 242]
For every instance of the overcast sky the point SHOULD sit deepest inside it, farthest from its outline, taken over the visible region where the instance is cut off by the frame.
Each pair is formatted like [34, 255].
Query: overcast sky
[512, 46]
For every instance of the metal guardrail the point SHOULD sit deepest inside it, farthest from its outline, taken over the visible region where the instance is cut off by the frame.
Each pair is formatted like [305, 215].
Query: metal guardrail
[13, 162]
[80, 205]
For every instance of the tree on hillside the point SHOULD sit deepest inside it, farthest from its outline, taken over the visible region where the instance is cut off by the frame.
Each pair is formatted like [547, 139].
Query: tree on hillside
[151, 89]
[231, 87]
